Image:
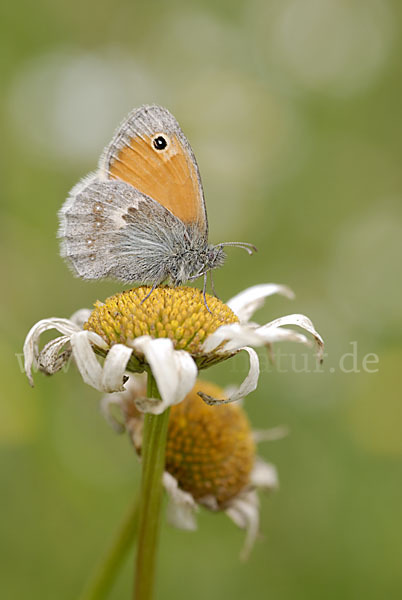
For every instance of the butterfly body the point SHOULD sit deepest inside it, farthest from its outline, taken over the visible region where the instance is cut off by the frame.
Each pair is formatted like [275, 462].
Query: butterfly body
[141, 217]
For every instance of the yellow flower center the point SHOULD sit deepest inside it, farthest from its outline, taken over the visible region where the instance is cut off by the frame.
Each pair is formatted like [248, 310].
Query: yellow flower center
[210, 449]
[178, 313]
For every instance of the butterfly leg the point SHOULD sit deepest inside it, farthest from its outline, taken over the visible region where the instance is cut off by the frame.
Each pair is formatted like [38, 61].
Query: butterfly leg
[212, 285]
[155, 285]
[204, 292]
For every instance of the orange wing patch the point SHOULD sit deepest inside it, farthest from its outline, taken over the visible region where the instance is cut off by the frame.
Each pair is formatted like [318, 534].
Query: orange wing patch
[169, 177]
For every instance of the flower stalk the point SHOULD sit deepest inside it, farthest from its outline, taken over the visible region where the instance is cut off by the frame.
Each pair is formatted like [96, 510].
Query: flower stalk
[153, 465]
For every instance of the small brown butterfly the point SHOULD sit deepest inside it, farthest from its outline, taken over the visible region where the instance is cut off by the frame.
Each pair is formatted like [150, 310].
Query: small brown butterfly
[141, 216]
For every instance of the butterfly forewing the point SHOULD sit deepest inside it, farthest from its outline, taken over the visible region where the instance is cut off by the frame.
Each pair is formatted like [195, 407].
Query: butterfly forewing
[168, 175]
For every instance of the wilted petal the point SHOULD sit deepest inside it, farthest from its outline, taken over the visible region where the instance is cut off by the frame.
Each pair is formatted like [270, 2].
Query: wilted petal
[31, 345]
[264, 475]
[175, 372]
[247, 302]
[182, 508]
[244, 512]
[51, 359]
[210, 502]
[301, 321]
[249, 384]
[154, 406]
[114, 368]
[116, 407]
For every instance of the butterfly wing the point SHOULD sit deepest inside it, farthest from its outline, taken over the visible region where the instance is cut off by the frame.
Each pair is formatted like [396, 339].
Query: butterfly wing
[110, 229]
[167, 173]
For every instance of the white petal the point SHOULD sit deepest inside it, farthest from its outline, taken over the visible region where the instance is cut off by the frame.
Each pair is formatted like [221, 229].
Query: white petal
[248, 385]
[87, 362]
[110, 377]
[261, 337]
[210, 502]
[135, 429]
[96, 340]
[107, 403]
[81, 316]
[237, 336]
[64, 326]
[244, 512]
[242, 334]
[117, 408]
[31, 345]
[134, 386]
[114, 368]
[301, 321]
[264, 475]
[133, 390]
[175, 371]
[182, 508]
[187, 374]
[270, 435]
[247, 302]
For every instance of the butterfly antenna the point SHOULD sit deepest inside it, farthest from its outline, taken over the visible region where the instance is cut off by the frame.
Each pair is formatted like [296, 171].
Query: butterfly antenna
[249, 248]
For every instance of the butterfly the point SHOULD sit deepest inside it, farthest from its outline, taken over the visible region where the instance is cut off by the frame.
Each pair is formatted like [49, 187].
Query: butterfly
[141, 217]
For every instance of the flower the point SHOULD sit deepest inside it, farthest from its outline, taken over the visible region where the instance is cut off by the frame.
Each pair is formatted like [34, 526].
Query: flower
[170, 332]
[210, 456]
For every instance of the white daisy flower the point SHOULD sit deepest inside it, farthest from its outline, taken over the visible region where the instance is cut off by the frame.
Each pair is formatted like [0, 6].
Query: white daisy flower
[210, 457]
[171, 333]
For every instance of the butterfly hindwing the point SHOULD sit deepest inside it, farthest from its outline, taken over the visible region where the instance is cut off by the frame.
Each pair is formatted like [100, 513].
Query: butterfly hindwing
[110, 229]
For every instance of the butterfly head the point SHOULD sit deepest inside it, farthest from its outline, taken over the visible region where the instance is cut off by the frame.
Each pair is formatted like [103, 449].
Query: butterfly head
[215, 257]
[195, 261]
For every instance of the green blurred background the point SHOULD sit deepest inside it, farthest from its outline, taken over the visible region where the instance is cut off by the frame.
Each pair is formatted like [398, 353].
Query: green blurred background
[293, 108]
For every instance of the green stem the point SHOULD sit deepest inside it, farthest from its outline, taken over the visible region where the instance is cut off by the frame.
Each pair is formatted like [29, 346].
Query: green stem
[103, 577]
[153, 465]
